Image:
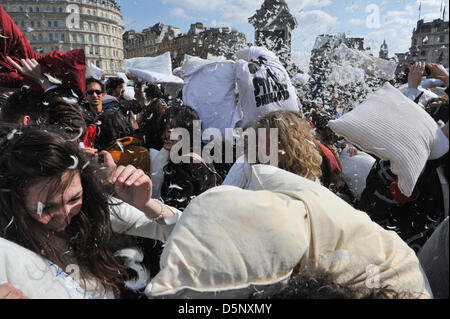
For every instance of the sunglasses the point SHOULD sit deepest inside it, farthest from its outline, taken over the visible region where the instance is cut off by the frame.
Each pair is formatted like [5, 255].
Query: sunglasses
[90, 92]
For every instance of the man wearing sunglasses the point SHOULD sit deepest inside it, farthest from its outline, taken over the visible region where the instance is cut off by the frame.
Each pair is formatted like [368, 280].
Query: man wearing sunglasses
[95, 93]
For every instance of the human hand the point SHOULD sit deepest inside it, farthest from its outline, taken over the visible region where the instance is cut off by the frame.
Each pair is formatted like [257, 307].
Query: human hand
[352, 151]
[437, 71]
[31, 69]
[7, 291]
[108, 163]
[132, 186]
[415, 75]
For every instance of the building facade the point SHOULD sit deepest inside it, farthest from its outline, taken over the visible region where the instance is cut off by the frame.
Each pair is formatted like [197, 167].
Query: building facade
[384, 51]
[92, 25]
[273, 24]
[429, 43]
[199, 41]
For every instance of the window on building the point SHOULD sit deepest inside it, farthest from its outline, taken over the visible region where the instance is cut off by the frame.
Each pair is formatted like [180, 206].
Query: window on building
[91, 50]
[56, 37]
[96, 50]
[20, 9]
[97, 63]
[37, 9]
[74, 37]
[50, 37]
[48, 9]
[55, 24]
[422, 53]
[22, 23]
[33, 37]
[54, 9]
[39, 24]
[14, 9]
[40, 37]
[32, 24]
[30, 9]
[63, 37]
[89, 11]
[81, 38]
[60, 10]
[96, 38]
[90, 38]
[62, 24]
[441, 38]
[49, 24]
[94, 12]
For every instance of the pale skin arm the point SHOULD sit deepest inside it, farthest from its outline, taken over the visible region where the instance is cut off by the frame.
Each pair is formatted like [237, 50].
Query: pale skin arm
[134, 187]
[31, 69]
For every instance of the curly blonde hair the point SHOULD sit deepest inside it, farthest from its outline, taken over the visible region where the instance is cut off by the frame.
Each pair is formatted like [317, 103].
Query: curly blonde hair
[297, 151]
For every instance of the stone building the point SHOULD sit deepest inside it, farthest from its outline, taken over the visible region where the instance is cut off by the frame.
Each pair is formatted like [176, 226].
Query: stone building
[92, 25]
[384, 51]
[273, 24]
[429, 43]
[199, 41]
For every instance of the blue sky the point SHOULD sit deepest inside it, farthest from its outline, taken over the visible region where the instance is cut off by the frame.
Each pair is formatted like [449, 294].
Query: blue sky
[397, 19]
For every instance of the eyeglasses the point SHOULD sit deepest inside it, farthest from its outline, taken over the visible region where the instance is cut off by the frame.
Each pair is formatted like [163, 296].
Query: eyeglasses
[90, 92]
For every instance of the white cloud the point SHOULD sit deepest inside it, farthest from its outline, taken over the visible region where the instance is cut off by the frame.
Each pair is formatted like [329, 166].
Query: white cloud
[179, 12]
[355, 21]
[352, 9]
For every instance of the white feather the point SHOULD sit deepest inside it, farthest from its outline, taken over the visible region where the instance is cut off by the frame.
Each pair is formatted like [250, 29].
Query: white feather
[133, 258]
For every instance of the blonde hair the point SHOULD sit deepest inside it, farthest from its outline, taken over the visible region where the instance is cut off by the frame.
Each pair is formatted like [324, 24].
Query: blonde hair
[297, 151]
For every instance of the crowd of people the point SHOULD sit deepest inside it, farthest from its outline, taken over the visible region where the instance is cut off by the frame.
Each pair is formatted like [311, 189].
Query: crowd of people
[87, 174]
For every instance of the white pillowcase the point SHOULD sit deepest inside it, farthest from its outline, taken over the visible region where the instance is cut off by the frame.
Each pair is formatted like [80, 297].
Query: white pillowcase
[252, 241]
[160, 64]
[210, 90]
[231, 243]
[355, 170]
[393, 128]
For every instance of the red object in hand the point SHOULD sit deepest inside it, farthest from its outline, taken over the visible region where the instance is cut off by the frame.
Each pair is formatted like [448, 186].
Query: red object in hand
[399, 197]
[68, 67]
[89, 137]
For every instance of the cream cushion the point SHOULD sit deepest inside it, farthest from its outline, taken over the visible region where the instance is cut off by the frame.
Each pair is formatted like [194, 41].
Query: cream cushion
[230, 243]
[394, 128]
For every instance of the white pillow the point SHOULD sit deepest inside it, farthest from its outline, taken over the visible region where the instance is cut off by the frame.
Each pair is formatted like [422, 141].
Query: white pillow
[230, 243]
[247, 243]
[155, 77]
[209, 90]
[393, 128]
[35, 276]
[355, 170]
[160, 64]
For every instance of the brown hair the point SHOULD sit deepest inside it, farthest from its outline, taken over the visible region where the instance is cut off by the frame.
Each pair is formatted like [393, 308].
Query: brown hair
[33, 155]
[299, 154]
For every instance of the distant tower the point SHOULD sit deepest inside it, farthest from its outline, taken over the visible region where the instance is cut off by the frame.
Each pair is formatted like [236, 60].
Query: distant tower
[273, 24]
[384, 52]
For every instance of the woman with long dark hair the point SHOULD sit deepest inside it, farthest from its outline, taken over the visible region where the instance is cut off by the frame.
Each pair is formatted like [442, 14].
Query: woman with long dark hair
[56, 203]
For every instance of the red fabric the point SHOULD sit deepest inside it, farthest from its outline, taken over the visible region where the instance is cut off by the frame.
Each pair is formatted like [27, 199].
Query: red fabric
[399, 197]
[68, 67]
[334, 165]
[89, 137]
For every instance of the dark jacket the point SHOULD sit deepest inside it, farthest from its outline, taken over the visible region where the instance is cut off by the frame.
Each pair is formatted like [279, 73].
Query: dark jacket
[186, 180]
[414, 218]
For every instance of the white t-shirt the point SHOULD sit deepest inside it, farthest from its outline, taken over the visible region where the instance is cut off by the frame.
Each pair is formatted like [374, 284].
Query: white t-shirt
[39, 278]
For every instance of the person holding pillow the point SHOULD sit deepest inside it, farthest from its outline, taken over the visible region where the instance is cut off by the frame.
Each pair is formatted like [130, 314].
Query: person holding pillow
[55, 203]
